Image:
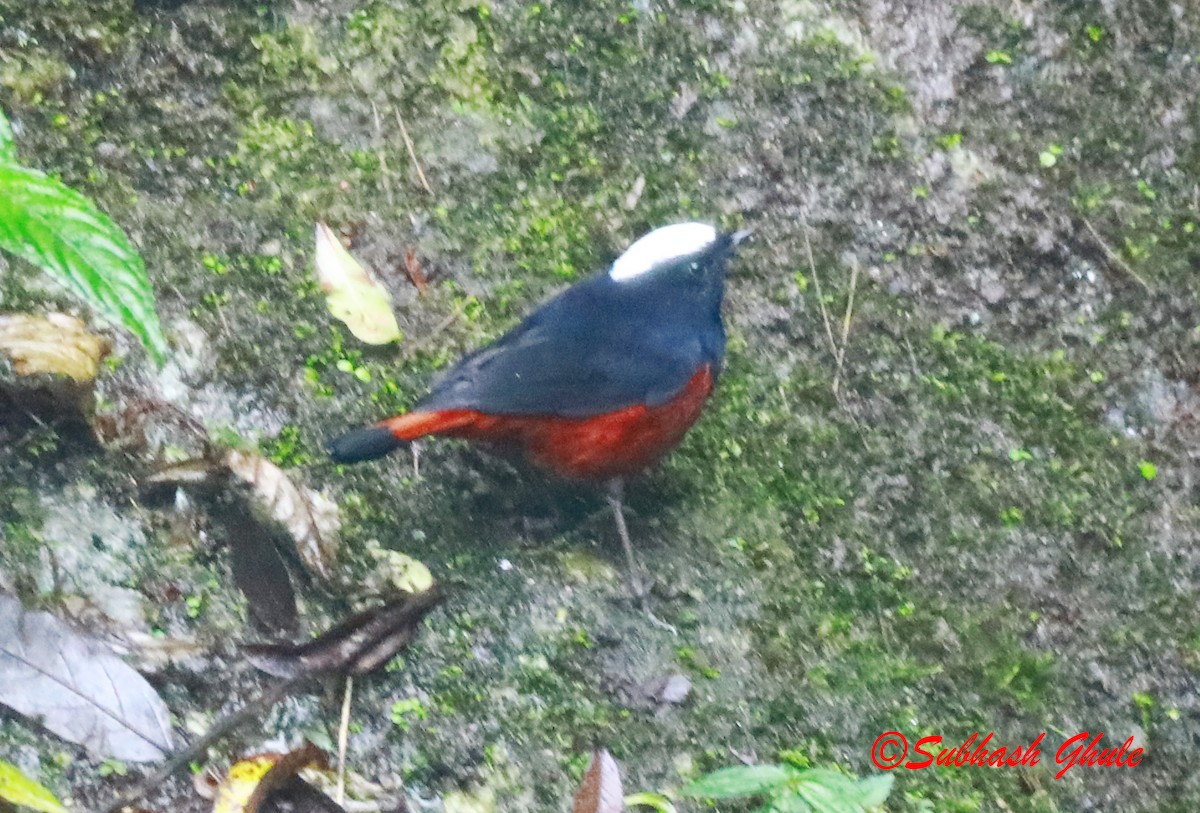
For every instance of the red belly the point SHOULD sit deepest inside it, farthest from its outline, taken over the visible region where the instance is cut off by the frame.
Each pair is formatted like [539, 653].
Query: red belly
[614, 444]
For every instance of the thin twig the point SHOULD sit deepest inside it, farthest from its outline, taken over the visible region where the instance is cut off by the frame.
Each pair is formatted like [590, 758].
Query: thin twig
[1113, 256]
[384, 172]
[841, 353]
[343, 735]
[412, 153]
[812, 269]
[245, 714]
[838, 353]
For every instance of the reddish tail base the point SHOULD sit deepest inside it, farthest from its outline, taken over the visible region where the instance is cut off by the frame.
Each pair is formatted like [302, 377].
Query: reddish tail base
[616, 444]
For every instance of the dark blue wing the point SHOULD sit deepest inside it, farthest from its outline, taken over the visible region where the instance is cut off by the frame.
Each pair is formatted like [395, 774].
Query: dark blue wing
[597, 347]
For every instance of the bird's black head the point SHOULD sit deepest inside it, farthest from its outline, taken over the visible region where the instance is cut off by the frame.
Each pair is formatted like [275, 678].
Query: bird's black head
[688, 259]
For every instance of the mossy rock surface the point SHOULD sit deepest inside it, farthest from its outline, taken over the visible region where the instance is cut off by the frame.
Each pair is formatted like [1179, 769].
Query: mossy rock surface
[975, 512]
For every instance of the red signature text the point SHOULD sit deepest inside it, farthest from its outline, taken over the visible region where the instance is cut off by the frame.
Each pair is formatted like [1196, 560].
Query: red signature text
[891, 750]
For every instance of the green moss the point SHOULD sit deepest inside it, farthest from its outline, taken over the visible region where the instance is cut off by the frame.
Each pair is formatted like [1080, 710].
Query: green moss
[32, 77]
[916, 551]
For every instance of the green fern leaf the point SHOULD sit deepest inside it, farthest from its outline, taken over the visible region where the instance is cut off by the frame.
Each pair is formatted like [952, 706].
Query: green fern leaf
[740, 780]
[62, 232]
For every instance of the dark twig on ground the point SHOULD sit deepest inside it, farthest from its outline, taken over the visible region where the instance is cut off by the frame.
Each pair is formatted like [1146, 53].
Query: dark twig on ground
[221, 728]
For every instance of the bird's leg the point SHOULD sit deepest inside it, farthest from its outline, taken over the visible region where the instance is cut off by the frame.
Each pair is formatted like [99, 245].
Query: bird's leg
[616, 493]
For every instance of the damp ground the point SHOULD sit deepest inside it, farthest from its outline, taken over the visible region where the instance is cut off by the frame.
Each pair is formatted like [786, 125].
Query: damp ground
[966, 502]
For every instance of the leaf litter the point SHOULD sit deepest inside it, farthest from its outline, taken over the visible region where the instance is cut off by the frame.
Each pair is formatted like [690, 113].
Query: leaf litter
[359, 645]
[251, 781]
[312, 522]
[351, 294]
[76, 687]
[56, 344]
[600, 791]
[311, 519]
[18, 789]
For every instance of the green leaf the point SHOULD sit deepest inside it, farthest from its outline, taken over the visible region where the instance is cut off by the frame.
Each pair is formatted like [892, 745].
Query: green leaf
[18, 789]
[874, 791]
[786, 803]
[654, 800]
[59, 230]
[740, 780]
[8, 148]
[828, 791]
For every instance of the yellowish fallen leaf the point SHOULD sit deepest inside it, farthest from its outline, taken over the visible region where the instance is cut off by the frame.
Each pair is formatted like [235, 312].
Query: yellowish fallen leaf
[18, 789]
[251, 780]
[55, 343]
[351, 294]
[401, 570]
[239, 785]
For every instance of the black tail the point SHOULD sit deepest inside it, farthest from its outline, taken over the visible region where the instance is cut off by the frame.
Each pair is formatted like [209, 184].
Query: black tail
[367, 443]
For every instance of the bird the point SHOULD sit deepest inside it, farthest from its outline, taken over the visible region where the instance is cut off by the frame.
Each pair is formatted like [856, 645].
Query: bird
[598, 383]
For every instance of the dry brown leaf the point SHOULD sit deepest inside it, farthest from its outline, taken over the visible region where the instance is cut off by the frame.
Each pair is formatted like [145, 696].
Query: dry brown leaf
[252, 779]
[600, 791]
[359, 645]
[75, 686]
[415, 273]
[311, 518]
[55, 343]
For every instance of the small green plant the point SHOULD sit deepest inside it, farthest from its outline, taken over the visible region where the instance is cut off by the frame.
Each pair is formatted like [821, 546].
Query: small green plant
[407, 710]
[112, 767]
[1012, 516]
[949, 141]
[60, 231]
[793, 788]
[1144, 703]
[1049, 156]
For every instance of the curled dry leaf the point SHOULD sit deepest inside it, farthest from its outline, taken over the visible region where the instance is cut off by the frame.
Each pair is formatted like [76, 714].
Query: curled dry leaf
[56, 343]
[252, 780]
[600, 791]
[18, 789]
[415, 273]
[259, 571]
[77, 688]
[361, 644]
[351, 294]
[311, 518]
